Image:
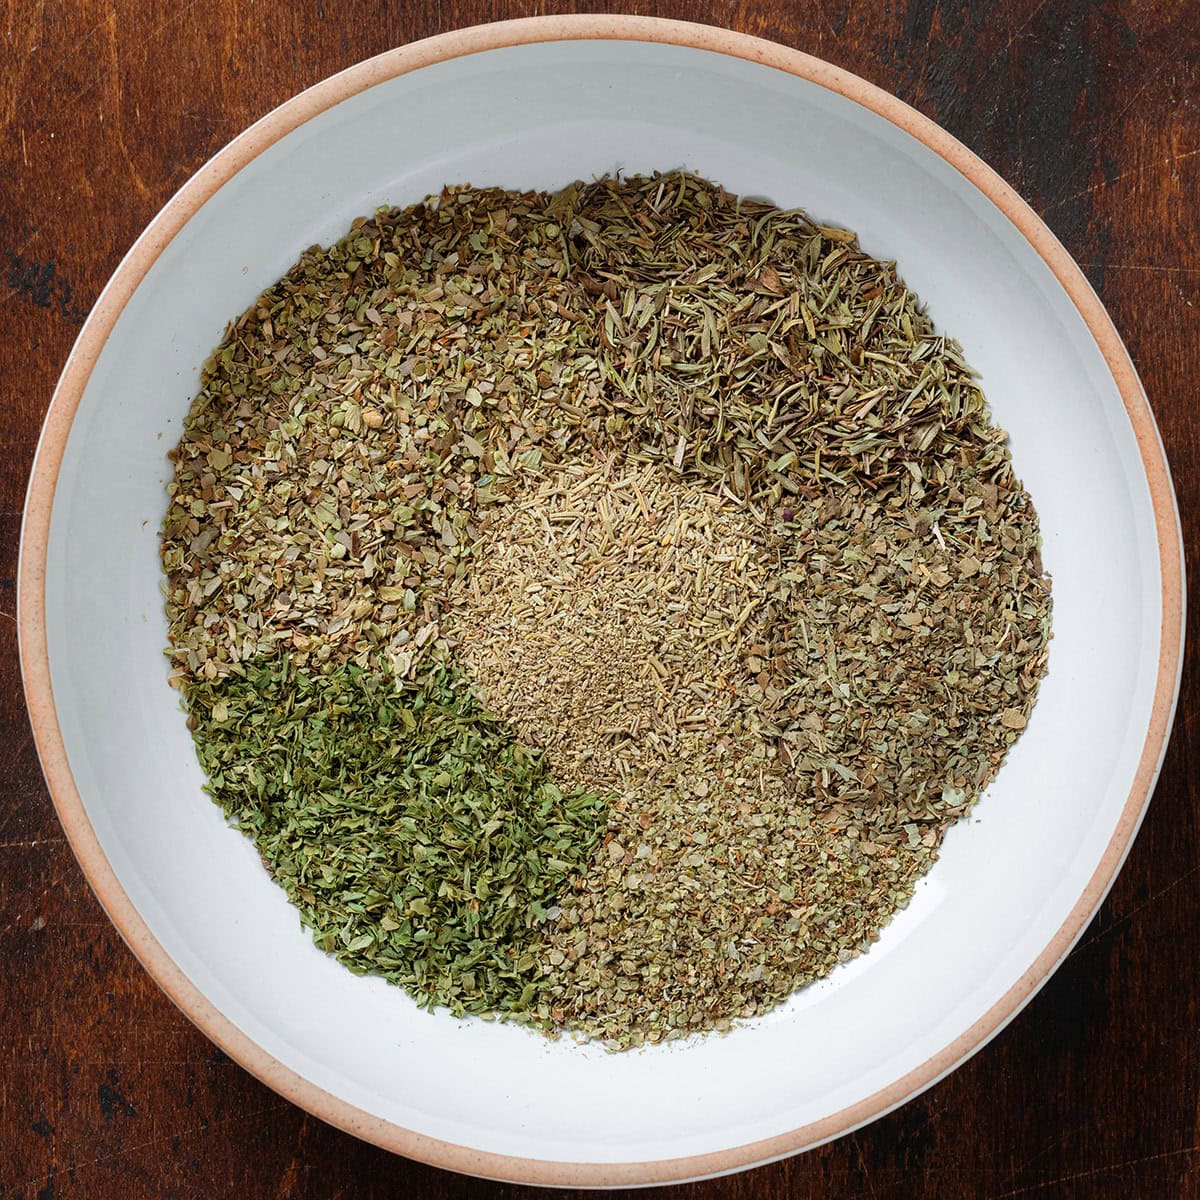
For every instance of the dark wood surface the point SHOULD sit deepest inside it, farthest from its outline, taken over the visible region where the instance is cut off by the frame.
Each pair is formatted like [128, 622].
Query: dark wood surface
[1091, 110]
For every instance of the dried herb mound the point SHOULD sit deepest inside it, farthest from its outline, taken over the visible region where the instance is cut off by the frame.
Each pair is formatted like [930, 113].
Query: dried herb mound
[676, 499]
[418, 838]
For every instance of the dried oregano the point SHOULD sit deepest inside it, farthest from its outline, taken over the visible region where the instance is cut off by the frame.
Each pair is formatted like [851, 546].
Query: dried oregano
[689, 492]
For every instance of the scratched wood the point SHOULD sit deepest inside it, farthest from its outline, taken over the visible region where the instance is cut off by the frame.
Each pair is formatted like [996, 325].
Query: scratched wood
[1092, 110]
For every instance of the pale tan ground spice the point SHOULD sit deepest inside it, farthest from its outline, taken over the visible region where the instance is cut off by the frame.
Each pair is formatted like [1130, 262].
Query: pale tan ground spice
[609, 619]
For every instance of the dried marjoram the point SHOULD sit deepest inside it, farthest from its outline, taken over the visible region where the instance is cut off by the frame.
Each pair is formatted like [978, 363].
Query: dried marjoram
[690, 538]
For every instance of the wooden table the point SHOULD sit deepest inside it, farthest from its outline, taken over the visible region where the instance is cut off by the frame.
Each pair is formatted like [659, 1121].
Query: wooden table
[1091, 110]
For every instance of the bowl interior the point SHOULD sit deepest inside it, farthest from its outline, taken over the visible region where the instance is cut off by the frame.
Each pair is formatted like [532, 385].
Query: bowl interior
[542, 115]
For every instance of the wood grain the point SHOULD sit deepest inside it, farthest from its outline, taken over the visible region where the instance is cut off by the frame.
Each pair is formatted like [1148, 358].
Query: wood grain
[1092, 110]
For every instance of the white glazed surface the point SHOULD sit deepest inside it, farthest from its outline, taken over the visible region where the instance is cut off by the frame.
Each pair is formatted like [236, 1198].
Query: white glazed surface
[541, 116]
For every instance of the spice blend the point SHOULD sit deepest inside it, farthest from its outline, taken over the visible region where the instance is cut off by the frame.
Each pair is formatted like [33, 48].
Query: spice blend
[596, 606]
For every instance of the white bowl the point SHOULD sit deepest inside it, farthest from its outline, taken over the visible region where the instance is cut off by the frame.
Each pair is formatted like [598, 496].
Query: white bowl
[539, 103]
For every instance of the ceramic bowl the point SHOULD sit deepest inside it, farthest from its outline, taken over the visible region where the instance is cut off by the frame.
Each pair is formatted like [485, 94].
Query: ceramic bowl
[539, 103]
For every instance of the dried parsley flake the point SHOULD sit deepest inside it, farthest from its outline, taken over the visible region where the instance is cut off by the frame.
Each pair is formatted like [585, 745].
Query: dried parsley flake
[418, 838]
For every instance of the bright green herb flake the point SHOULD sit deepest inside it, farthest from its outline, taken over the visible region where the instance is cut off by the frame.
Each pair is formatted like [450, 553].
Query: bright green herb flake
[417, 837]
